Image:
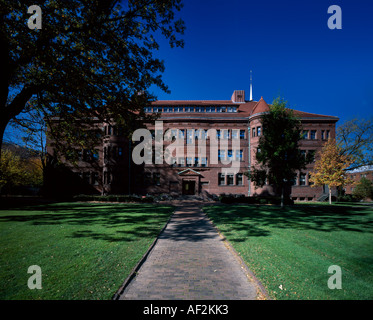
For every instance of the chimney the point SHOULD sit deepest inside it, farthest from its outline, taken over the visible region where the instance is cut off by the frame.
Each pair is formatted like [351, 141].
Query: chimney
[238, 96]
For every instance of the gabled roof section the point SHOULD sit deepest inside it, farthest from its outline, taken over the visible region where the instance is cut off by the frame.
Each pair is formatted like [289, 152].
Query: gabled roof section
[189, 172]
[260, 107]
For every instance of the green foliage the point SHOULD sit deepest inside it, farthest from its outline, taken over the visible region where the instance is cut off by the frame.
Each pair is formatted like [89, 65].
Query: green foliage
[364, 189]
[229, 199]
[279, 156]
[15, 172]
[91, 59]
[115, 198]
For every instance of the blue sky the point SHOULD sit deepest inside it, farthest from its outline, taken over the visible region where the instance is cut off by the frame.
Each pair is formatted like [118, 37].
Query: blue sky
[288, 46]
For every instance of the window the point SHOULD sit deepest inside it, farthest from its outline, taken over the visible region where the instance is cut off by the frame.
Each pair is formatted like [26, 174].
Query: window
[221, 155]
[157, 178]
[197, 133]
[327, 134]
[313, 135]
[239, 155]
[157, 109]
[311, 154]
[258, 131]
[95, 178]
[226, 134]
[234, 134]
[253, 133]
[189, 161]
[302, 179]
[181, 162]
[230, 109]
[168, 109]
[230, 155]
[221, 179]
[303, 153]
[242, 134]
[148, 109]
[173, 134]
[203, 162]
[197, 162]
[152, 132]
[305, 134]
[95, 155]
[173, 161]
[199, 109]
[189, 138]
[239, 179]
[322, 134]
[204, 134]
[189, 109]
[218, 134]
[230, 180]
[181, 133]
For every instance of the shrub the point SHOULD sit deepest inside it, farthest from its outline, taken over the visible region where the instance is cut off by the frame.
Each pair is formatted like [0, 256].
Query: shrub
[228, 199]
[114, 198]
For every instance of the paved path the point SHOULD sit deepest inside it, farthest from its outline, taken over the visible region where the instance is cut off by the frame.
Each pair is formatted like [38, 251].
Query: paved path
[190, 261]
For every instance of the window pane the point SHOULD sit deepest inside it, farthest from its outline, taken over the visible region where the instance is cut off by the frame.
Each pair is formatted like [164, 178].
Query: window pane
[242, 134]
[239, 179]
[221, 179]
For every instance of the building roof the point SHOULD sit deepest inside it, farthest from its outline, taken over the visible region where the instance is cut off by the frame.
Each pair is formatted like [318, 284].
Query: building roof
[260, 107]
[361, 169]
[245, 109]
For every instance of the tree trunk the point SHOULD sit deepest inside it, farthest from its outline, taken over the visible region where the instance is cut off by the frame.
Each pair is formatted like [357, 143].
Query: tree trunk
[282, 196]
[330, 195]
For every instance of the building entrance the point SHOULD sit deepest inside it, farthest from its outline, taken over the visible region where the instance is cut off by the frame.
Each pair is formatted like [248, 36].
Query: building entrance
[189, 187]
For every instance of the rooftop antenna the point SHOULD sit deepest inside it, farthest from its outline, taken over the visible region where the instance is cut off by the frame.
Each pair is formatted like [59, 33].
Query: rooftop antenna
[251, 85]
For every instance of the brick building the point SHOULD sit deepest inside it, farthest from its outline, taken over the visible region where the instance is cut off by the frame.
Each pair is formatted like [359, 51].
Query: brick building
[213, 143]
[357, 175]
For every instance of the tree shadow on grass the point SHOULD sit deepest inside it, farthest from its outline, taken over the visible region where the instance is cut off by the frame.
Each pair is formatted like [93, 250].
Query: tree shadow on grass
[134, 220]
[254, 221]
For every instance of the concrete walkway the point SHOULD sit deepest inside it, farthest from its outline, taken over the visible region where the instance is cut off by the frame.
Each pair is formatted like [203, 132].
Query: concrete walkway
[190, 261]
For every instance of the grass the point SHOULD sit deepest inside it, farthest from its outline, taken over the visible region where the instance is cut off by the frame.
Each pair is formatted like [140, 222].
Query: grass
[291, 249]
[84, 250]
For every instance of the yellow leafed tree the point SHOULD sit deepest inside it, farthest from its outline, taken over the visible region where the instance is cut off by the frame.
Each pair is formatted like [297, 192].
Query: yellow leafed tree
[330, 168]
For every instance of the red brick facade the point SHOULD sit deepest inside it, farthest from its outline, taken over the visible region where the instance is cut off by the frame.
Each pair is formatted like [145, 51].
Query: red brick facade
[236, 121]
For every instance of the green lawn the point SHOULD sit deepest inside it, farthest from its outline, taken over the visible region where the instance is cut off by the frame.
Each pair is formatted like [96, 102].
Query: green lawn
[291, 249]
[84, 250]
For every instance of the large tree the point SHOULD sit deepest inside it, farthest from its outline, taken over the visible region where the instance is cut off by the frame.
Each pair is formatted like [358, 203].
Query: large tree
[278, 157]
[355, 139]
[91, 58]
